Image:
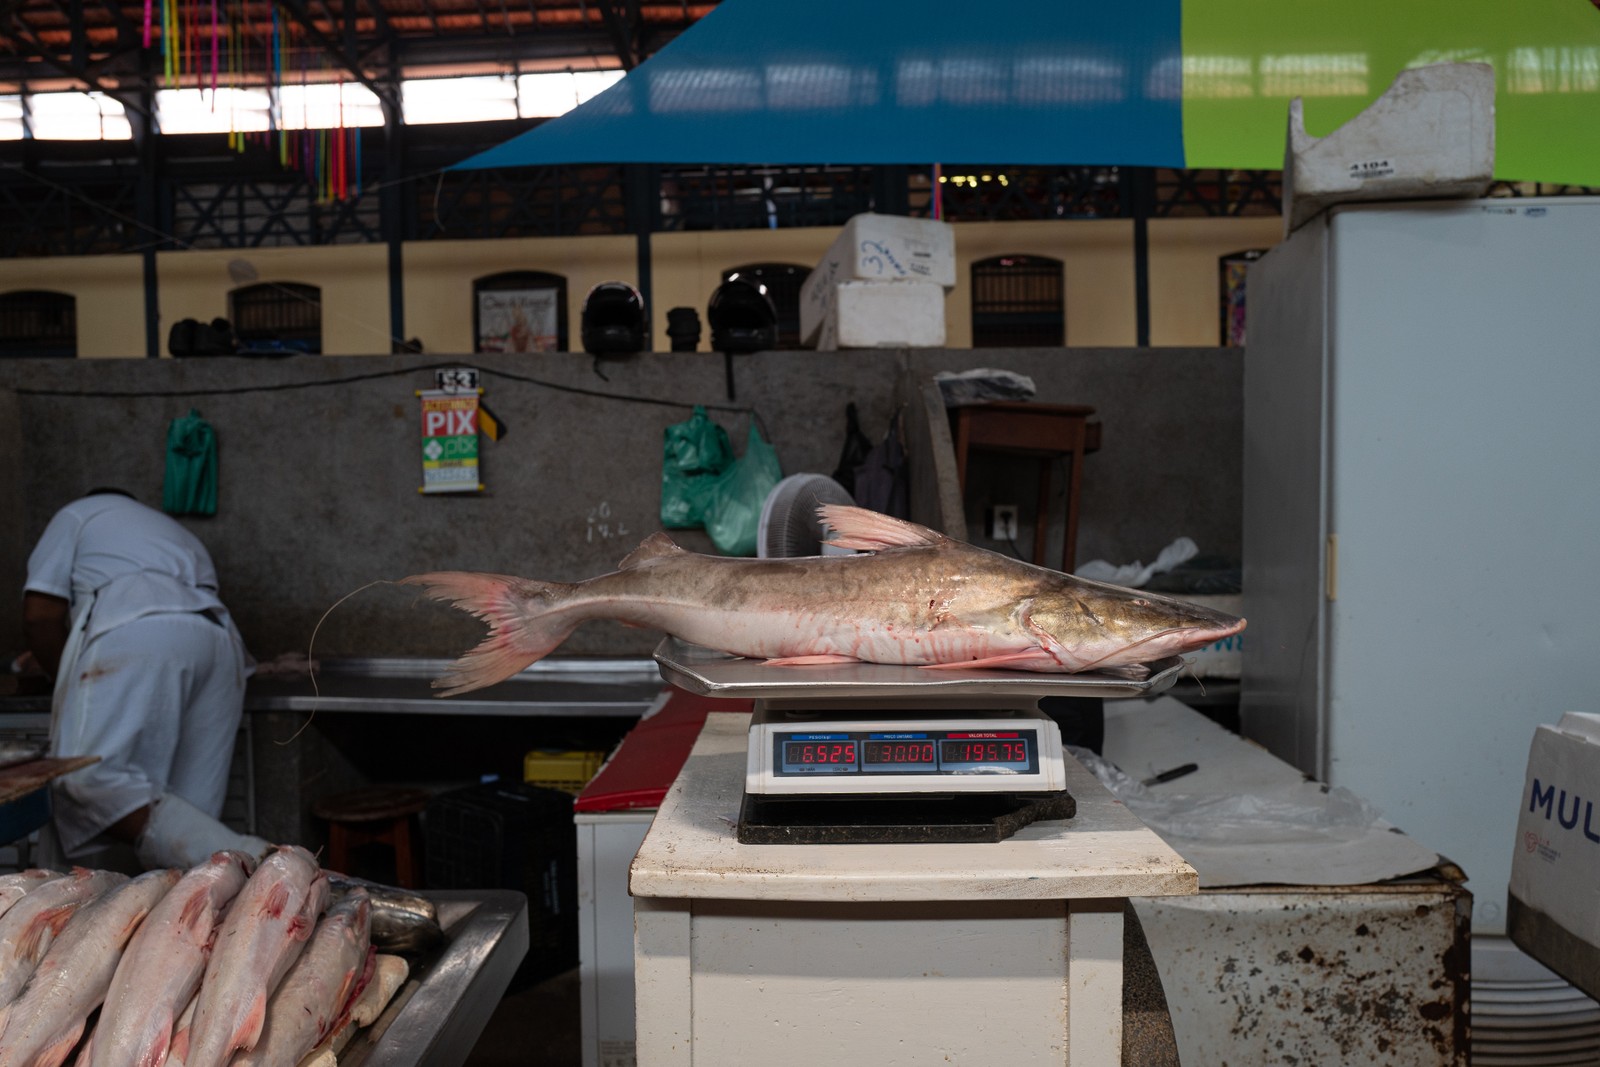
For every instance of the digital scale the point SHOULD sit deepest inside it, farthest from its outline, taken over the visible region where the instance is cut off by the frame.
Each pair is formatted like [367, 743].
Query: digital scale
[868, 753]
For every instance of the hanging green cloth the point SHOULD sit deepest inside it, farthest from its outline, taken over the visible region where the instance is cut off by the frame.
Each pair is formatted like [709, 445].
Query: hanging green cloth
[190, 487]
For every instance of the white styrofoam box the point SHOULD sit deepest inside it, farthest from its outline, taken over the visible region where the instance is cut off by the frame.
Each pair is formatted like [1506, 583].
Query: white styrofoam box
[877, 248]
[1553, 913]
[884, 315]
[1220, 659]
[1431, 134]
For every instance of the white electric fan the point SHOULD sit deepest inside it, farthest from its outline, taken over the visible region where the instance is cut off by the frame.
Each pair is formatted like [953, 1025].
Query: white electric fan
[789, 525]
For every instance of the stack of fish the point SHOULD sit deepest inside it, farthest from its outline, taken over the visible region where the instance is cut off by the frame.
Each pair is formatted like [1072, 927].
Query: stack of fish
[228, 963]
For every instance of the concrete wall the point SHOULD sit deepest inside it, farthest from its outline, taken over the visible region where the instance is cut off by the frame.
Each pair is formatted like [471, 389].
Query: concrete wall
[320, 466]
[1097, 258]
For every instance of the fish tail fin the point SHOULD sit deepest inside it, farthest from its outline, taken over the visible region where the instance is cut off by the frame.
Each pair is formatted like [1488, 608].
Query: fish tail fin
[525, 620]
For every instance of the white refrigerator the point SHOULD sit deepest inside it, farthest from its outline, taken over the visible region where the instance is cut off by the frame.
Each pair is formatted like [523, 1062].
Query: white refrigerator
[1422, 507]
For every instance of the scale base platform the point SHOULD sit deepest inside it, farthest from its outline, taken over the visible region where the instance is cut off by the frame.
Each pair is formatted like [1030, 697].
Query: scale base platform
[874, 819]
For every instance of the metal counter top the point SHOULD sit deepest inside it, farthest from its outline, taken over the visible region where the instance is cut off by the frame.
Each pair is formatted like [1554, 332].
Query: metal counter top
[440, 1012]
[621, 688]
[585, 688]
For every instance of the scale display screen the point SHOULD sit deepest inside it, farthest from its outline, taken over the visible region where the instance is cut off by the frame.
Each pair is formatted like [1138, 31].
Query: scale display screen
[981, 752]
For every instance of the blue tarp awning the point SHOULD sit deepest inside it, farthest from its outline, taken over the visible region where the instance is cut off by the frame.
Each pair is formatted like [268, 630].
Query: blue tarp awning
[875, 81]
[1169, 83]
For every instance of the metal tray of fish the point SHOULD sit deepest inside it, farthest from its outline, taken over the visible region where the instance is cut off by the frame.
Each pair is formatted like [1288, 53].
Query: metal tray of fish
[440, 1012]
[710, 673]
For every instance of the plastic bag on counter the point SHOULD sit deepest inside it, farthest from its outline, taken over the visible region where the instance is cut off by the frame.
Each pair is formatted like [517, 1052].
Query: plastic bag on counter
[982, 385]
[1136, 574]
[733, 515]
[695, 453]
[1284, 814]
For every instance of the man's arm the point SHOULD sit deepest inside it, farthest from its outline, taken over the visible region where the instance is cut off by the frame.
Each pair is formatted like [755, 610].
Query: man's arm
[44, 625]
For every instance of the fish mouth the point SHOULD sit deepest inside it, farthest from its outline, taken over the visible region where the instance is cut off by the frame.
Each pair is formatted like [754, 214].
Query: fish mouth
[1173, 641]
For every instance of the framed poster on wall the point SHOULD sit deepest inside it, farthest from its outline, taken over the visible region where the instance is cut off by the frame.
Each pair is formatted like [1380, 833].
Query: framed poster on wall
[519, 320]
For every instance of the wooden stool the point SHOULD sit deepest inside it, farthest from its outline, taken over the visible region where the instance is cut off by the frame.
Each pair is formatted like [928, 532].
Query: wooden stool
[379, 814]
[1027, 429]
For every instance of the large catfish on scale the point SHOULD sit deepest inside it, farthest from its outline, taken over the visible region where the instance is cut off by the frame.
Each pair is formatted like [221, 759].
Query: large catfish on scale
[917, 597]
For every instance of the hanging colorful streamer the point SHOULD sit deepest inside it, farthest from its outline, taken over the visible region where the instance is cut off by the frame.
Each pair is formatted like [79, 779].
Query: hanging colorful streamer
[233, 51]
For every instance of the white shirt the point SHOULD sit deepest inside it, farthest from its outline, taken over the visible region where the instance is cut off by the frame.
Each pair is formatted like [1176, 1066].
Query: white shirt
[125, 559]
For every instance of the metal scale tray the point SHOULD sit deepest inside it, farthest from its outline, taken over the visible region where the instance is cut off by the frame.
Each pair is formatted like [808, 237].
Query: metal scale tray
[707, 672]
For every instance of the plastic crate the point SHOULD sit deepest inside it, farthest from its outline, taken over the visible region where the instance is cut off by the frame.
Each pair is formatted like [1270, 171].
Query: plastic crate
[566, 771]
[509, 835]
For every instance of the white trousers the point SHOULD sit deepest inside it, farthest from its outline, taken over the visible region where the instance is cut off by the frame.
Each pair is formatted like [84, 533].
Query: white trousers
[159, 701]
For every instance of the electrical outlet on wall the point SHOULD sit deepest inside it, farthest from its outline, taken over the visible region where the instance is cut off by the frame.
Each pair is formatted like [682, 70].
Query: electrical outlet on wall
[1001, 520]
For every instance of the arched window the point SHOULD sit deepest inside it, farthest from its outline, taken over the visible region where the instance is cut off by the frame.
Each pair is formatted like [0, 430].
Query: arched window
[277, 317]
[519, 311]
[36, 323]
[783, 282]
[1018, 301]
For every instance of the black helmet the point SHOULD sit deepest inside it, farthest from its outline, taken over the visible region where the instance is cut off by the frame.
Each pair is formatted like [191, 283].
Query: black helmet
[742, 318]
[613, 320]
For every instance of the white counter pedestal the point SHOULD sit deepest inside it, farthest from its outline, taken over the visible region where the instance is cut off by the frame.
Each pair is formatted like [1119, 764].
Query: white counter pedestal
[1002, 953]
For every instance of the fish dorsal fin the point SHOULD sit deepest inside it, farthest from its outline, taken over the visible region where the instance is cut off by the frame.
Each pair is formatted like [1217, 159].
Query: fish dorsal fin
[871, 531]
[655, 546]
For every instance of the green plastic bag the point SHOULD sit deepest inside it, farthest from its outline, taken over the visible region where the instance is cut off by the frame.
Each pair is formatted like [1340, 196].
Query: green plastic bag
[190, 485]
[694, 453]
[734, 515]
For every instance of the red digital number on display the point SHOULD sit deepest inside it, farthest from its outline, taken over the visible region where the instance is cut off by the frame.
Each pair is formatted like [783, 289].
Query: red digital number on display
[986, 751]
[899, 751]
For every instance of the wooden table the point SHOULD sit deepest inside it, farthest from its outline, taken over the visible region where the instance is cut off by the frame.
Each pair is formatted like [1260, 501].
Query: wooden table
[23, 804]
[1045, 431]
[797, 955]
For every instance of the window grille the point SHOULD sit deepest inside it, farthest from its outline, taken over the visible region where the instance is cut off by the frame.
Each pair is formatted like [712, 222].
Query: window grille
[783, 282]
[1018, 301]
[277, 316]
[520, 311]
[36, 323]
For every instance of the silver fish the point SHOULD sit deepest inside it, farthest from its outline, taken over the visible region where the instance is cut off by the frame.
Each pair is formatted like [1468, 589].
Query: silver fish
[165, 960]
[29, 926]
[44, 1024]
[318, 990]
[265, 931]
[402, 922]
[917, 597]
[13, 887]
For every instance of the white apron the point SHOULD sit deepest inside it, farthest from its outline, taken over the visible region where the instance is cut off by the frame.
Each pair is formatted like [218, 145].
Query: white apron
[158, 698]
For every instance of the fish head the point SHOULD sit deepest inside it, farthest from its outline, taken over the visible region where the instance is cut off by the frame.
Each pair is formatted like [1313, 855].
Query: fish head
[1090, 626]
